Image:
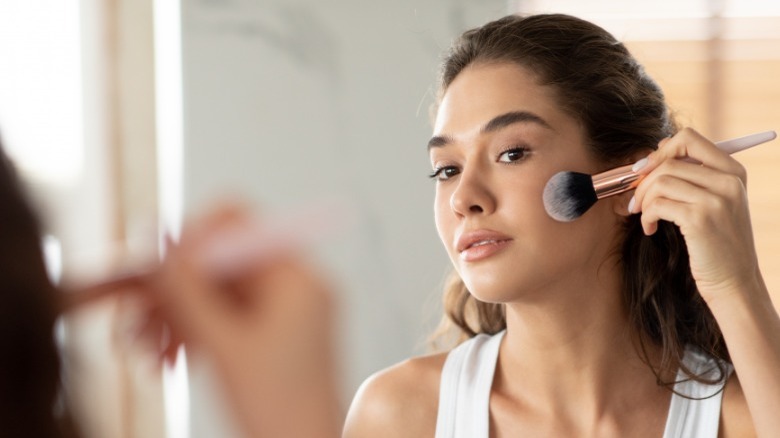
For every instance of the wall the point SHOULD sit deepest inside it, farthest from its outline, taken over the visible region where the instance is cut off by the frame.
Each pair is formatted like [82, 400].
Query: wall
[291, 101]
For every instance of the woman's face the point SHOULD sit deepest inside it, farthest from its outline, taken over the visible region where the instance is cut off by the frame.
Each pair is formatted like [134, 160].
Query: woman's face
[498, 138]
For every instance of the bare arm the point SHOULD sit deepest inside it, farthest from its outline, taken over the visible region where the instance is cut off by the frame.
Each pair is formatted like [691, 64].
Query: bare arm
[751, 328]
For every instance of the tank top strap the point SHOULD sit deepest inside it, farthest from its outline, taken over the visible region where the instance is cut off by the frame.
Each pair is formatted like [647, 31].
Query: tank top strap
[464, 392]
[694, 411]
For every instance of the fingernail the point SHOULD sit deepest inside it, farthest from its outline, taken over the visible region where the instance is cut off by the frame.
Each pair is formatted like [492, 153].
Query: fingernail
[639, 165]
[169, 243]
[631, 205]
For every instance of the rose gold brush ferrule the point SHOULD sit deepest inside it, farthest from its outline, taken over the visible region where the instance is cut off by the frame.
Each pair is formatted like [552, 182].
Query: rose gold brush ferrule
[612, 182]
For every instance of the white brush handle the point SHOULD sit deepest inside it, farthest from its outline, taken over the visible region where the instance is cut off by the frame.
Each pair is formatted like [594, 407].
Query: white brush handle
[231, 249]
[748, 141]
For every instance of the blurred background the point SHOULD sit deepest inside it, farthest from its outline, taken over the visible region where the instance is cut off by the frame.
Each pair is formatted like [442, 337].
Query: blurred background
[125, 115]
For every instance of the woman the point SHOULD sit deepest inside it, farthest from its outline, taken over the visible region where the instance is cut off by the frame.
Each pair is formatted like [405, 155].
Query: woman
[625, 322]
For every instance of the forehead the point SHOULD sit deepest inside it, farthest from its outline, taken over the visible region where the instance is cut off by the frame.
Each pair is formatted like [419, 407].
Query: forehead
[482, 91]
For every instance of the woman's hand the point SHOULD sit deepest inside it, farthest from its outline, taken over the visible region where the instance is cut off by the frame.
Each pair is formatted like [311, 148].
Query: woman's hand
[243, 299]
[708, 201]
[266, 325]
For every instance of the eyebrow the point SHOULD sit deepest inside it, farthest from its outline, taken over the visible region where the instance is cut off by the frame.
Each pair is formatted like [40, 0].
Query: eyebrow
[493, 125]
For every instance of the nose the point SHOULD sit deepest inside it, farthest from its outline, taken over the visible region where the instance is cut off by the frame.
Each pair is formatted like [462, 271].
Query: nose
[472, 195]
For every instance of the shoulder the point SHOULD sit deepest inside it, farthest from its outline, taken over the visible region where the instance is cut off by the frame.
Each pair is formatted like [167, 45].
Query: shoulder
[399, 401]
[735, 419]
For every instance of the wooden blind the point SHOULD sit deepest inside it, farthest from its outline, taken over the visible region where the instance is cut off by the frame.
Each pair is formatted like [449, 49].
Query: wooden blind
[727, 89]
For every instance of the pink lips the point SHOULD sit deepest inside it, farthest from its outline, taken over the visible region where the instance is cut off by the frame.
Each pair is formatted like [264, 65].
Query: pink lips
[480, 244]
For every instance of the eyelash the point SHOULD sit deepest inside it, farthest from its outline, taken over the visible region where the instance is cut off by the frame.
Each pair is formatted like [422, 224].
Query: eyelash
[437, 172]
[522, 149]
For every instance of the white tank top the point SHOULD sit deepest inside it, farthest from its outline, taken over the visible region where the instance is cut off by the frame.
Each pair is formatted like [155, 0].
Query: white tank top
[467, 377]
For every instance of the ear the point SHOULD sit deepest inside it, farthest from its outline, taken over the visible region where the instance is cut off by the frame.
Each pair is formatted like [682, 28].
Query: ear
[620, 203]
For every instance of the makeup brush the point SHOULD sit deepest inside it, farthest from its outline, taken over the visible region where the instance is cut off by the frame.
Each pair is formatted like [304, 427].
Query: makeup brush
[568, 195]
[234, 248]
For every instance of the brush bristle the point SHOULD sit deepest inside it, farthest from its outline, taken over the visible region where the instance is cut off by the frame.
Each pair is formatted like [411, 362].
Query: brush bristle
[568, 195]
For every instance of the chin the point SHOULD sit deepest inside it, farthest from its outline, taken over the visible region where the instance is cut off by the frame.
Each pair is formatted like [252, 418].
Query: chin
[491, 291]
[507, 286]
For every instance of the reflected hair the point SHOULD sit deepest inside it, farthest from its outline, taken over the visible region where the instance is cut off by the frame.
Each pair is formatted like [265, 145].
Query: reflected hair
[623, 112]
[29, 360]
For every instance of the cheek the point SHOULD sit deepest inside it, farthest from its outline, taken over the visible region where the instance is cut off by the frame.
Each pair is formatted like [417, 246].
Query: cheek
[524, 197]
[525, 209]
[442, 215]
[587, 241]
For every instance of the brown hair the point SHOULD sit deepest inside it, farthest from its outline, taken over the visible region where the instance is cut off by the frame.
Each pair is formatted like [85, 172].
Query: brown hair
[622, 111]
[29, 362]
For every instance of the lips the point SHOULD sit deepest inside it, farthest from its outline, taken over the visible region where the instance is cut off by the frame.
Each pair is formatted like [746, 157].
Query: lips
[479, 244]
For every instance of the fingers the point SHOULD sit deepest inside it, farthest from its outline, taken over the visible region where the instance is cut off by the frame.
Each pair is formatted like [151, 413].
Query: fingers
[197, 301]
[170, 350]
[680, 190]
[225, 215]
[265, 291]
[191, 300]
[76, 297]
[682, 203]
[673, 178]
[153, 333]
[206, 305]
[221, 216]
[692, 146]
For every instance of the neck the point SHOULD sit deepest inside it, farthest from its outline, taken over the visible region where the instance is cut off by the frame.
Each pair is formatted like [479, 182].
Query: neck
[573, 348]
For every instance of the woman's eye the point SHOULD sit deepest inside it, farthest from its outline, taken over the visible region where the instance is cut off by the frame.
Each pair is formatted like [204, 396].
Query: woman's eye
[512, 155]
[444, 173]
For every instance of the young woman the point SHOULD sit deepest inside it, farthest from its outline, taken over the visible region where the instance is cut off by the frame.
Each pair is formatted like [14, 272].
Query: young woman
[647, 316]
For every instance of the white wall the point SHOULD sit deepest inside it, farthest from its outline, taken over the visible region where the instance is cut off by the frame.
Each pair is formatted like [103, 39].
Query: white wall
[289, 101]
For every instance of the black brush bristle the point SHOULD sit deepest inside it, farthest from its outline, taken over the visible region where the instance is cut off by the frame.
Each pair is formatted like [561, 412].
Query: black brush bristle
[568, 195]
